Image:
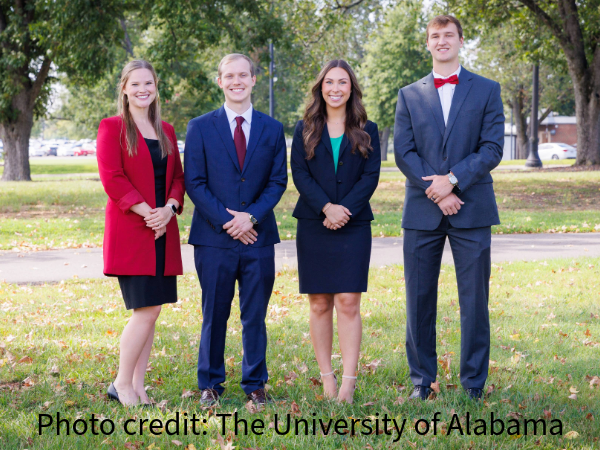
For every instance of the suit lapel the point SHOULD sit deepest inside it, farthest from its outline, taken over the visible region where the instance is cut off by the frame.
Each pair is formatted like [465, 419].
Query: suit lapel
[326, 140]
[344, 144]
[433, 98]
[256, 128]
[460, 93]
[222, 125]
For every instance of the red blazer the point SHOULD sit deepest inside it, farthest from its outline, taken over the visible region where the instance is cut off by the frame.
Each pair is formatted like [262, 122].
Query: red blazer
[128, 242]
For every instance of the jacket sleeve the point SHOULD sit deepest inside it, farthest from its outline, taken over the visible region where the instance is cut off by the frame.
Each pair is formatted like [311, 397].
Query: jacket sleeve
[110, 166]
[407, 159]
[196, 181]
[489, 148]
[277, 184]
[307, 186]
[362, 191]
[177, 191]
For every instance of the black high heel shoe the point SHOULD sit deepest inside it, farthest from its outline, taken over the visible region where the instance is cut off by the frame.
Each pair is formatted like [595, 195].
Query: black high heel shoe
[112, 393]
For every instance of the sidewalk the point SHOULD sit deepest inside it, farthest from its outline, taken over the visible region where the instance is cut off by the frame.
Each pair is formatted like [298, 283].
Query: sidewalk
[57, 265]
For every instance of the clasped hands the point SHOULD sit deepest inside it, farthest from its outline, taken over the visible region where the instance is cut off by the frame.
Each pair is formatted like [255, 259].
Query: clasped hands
[337, 216]
[158, 219]
[441, 193]
[240, 227]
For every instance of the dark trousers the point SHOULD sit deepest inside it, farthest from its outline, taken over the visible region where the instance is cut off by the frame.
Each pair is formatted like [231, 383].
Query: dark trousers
[218, 270]
[422, 259]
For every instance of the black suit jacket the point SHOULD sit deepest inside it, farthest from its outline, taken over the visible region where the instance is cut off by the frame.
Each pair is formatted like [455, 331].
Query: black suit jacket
[318, 184]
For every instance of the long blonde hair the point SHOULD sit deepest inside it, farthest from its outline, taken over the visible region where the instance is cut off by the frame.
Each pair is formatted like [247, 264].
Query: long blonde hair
[131, 131]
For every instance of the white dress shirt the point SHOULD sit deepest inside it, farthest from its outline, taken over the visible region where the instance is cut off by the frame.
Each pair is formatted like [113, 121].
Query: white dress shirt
[446, 92]
[231, 115]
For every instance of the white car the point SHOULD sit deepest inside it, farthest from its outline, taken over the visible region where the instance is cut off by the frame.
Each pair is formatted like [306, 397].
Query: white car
[556, 150]
[66, 150]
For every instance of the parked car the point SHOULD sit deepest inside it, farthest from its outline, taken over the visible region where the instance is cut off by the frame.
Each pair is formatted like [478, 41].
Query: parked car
[50, 149]
[83, 150]
[36, 150]
[67, 149]
[556, 150]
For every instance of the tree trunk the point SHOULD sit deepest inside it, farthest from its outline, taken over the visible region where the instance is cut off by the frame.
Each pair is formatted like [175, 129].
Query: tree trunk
[587, 107]
[521, 123]
[15, 137]
[384, 138]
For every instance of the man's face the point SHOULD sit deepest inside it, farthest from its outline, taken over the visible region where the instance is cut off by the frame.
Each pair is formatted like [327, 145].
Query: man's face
[236, 81]
[444, 43]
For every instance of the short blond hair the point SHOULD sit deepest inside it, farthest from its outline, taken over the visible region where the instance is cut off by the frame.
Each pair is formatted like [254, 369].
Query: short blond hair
[232, 57]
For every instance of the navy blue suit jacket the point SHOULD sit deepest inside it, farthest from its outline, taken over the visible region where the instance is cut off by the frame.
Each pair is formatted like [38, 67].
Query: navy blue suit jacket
[318, 183]
[470, 146]
[214, 181]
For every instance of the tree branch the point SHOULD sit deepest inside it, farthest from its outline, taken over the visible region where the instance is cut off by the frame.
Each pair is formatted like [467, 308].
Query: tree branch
[127, 41]
[556, 28]
[345, 8]
[39, 81]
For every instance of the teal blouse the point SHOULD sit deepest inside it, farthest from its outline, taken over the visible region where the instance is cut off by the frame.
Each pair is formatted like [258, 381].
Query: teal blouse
[335, 145]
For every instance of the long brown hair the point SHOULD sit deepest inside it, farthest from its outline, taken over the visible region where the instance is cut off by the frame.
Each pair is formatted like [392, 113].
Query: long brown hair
[131, 131]
[315, 114]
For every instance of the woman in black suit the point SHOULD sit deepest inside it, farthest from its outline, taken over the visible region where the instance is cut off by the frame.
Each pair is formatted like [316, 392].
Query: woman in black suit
[335, 165]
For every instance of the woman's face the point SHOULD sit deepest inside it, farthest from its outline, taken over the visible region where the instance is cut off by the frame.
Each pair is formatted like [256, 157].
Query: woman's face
[336, 87]
[140, 88]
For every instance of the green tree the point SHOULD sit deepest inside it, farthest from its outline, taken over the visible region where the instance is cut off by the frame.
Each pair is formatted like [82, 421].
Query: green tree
[396, 56]
[505, 55]
[575, 29]
[35, 35]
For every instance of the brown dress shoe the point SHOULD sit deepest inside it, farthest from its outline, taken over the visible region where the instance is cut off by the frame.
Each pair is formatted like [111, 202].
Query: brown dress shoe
[259, 397]
[209, 397]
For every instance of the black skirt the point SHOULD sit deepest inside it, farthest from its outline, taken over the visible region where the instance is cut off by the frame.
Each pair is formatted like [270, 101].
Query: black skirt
[140, 291]
[333, 261]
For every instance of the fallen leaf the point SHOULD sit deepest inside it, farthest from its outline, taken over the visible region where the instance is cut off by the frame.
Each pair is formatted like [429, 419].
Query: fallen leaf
[547, 414]
[573, 390]
[589, 416]
[368, 404]
[25, 360]
[435, 386]
[251, 407]
[177, 443]
[187, 393]
[451, 386]
[399, 401]
[190, 447]
[491, 389]
[572, 435]
[302, 368]
[573, 396]
[295, 409]
[162, 405]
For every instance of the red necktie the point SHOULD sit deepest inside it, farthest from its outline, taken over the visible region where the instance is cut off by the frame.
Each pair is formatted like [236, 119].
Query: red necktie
[439, 82]
[239, 138]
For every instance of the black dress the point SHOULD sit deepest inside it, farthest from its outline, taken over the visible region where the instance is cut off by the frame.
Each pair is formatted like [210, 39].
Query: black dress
[140, 291]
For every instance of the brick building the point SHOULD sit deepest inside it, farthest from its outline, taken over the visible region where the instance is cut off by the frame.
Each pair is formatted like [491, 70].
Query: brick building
[558, 129]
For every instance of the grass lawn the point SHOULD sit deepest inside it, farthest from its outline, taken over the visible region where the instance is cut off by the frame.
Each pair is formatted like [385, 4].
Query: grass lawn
[52, 165]
[59, 211]
[59, 350]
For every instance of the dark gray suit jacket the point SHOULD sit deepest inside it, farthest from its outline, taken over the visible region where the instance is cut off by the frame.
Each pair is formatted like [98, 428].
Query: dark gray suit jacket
[470, 146]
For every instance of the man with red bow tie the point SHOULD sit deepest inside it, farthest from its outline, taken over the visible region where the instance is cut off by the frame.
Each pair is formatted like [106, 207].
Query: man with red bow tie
[448, 136]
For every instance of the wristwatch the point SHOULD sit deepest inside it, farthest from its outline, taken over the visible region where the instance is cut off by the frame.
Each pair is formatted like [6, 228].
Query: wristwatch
[253, 219]
[453, 181]
[173, 209]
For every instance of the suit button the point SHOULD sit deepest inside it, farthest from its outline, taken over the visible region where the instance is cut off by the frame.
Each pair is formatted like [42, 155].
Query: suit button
[445, 158]
[243, 179]
[341, 163]
[243, 203]
[339, 181]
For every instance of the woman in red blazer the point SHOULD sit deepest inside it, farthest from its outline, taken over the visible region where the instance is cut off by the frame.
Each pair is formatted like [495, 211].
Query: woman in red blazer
[141, 172]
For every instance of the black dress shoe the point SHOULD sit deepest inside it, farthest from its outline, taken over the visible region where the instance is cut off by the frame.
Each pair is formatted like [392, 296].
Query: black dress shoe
[259, 397]
[112, 393]
[421, 392]
[209, 397]
[475, 393]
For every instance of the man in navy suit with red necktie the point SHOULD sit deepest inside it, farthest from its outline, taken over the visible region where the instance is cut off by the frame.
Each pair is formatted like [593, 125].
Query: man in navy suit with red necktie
[448, 136]
[235, 174]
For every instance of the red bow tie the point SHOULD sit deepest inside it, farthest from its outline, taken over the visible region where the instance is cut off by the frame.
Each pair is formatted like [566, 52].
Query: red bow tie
[439, 82]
